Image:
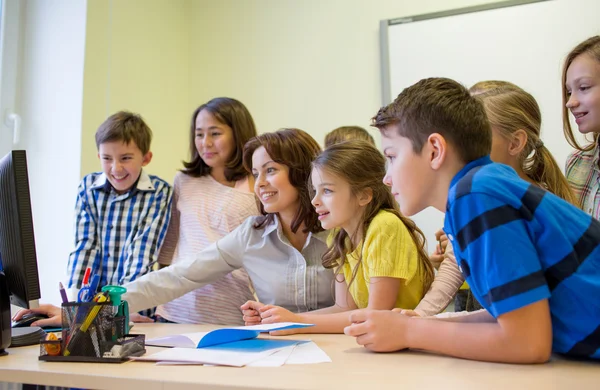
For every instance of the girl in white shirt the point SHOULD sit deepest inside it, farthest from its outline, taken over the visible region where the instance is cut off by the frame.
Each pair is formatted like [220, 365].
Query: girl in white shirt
[212, 196]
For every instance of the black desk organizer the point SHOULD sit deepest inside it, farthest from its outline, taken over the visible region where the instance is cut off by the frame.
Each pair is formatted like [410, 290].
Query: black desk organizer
[103, 341]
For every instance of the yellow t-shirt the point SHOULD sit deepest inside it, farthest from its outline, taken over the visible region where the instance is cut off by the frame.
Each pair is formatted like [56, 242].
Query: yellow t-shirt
[387, 251]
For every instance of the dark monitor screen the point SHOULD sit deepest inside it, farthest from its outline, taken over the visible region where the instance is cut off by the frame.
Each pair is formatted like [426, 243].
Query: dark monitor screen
[17, 243]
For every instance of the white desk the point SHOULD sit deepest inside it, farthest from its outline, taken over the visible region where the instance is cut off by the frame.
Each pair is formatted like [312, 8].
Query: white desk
[352, 367]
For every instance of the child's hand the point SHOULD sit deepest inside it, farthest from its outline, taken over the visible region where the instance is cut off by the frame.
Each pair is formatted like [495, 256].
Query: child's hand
[271, 314]
[250, 312]
[436, 259]
[437, 256]
[378, 330]
[406, 312]
[53, 313]
[442, 241]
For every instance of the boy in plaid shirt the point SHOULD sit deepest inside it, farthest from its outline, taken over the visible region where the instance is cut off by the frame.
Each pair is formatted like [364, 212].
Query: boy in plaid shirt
[122, 213]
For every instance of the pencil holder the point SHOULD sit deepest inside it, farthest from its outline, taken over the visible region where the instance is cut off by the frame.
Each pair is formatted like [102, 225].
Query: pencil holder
[91, 332]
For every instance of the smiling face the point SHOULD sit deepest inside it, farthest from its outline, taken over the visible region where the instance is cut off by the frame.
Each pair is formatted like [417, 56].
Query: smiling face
[334, 201]
[214, 140]
[272, 184]
[583, 90]
[122, 163]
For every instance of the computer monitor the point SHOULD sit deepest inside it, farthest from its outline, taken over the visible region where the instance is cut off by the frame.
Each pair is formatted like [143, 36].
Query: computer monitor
[17, 243]
[18, 262]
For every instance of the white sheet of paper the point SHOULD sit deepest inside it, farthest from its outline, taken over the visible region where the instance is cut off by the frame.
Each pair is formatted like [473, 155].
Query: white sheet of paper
[206, 356]
[277, 359]
[308, 353]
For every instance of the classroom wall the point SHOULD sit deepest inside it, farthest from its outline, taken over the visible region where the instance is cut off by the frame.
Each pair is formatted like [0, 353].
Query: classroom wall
[138, 58]
[50, 101]
[310, 64]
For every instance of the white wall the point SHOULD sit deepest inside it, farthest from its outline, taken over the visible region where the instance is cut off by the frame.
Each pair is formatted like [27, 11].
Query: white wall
[310, 64]
[51, 104]
[10, 39]
[138, 58]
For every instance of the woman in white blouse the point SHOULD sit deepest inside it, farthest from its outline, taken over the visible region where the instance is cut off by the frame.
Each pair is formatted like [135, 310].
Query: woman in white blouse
[280, 250]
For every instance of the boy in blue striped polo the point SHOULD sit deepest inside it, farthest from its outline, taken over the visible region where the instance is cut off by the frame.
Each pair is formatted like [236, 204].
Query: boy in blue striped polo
[531, 259]
[121, 213]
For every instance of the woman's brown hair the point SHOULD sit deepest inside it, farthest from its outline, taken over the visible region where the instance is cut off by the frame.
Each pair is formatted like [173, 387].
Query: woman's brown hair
[510, 108]
[362, 166]
[591, 47]
[234, 114]
[295, 149]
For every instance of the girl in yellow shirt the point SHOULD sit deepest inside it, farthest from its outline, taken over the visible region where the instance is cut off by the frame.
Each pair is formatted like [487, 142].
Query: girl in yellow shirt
[378, 255]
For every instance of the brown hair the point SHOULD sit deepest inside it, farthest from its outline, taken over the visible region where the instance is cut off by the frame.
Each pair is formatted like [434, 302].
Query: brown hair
[295, 149]
[346, 133]
[591, 47]
[486, 85]
[360, 164]
[443, 106]
[510, 108]
[234, 114]
[126, 127]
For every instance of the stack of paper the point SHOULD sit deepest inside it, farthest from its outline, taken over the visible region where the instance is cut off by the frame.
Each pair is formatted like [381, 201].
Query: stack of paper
[236, 347]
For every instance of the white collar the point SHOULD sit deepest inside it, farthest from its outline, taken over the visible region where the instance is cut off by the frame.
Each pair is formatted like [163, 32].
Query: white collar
[144, 183]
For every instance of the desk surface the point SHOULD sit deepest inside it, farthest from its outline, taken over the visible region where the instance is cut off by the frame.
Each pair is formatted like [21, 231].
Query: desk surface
[352, 367]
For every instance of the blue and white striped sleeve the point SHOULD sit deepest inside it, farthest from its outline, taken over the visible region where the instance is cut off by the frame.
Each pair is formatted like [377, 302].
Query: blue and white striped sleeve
[144, 249]
[87, 246]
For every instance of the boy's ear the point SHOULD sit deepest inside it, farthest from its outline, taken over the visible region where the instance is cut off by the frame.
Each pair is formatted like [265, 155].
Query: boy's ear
[437, 149]
[146, 159]
[365, 196]
[517, 142]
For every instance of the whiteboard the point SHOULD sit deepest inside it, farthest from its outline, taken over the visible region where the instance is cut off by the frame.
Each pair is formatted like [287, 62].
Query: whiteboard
[524, 44]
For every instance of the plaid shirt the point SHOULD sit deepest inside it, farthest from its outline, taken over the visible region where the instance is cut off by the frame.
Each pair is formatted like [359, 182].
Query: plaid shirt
[118, 236]
[583, 174]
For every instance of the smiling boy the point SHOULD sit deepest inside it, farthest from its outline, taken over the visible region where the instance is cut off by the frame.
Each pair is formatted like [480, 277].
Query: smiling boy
[121, 213]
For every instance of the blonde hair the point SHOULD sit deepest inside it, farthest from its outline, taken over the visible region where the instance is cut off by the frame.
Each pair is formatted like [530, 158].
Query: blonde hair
[510, 108]
[360, 164]
[347, 133]
[591, 47]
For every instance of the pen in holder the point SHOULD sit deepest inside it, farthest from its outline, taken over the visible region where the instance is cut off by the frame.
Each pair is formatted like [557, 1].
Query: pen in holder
[91, 323]
[92, 333]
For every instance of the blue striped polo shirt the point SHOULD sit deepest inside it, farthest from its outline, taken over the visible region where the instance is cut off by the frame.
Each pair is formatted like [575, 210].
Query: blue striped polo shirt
[517, 244]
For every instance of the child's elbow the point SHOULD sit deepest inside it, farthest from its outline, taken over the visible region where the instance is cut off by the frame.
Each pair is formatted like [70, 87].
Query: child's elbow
[538, 353]
[541, 356]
